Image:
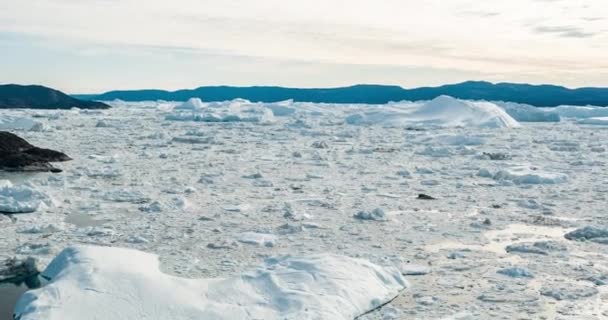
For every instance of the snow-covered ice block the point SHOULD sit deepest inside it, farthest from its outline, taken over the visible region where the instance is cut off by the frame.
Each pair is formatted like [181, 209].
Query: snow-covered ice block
[22, 198]
[116, 283]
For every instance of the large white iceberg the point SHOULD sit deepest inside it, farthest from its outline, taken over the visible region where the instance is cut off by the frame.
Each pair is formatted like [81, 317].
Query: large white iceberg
[114, 283]
[449, 112]
[443, 111]
[21, 199]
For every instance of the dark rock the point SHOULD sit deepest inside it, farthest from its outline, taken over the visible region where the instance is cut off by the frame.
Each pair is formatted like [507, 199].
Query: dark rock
[423, 196]
[39, 97]
[14, 270]
[16, 154]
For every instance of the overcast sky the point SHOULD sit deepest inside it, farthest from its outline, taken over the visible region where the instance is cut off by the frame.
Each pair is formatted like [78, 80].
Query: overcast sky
[89, 46]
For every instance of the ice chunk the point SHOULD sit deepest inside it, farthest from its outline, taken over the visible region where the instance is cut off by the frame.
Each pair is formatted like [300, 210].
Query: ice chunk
[587, 233]
[115, 283]
[20, 123]
[516, 272]
[22, 198]
[260, 239]
[376, 215]
[525, 175]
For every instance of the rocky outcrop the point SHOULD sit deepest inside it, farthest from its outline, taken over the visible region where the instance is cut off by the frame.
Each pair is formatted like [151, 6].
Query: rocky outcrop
[16, 154]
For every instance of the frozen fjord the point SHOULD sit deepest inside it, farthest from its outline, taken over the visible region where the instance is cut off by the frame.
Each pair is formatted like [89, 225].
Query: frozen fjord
[217, 189]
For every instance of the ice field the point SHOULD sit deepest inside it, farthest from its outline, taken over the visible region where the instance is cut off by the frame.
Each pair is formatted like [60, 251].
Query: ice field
[257, 210]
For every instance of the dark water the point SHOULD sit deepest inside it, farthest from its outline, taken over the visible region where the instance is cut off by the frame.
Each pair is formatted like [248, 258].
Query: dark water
[11, 292]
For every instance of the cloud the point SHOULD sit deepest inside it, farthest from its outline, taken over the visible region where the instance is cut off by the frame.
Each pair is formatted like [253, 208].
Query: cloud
[564, 31]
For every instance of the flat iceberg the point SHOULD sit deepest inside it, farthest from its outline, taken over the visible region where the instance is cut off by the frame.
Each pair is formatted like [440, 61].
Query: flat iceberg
[116, 283]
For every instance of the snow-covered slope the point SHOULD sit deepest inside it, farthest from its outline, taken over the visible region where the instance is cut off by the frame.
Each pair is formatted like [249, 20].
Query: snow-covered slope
[114, 283]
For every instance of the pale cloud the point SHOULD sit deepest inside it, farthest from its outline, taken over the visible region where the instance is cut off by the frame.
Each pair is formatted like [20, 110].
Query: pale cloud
[515, 39]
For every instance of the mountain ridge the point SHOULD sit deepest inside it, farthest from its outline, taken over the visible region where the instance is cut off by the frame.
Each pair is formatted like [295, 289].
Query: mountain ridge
[536, 95]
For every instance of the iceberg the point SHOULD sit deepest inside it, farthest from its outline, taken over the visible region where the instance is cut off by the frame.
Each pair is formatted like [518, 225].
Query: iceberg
[21, 199]
[116, 283]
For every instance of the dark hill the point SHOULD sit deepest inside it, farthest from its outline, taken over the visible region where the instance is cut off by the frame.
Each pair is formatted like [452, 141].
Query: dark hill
[39, 97]
[536, 95]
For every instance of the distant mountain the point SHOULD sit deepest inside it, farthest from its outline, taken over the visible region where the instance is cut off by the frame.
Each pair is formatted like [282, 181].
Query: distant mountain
[39, 97]
[536, 95]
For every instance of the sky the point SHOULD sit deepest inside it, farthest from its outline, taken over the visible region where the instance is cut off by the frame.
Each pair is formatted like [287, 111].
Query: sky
[93, 46]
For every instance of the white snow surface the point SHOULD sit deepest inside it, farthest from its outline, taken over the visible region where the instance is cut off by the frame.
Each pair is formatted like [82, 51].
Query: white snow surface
[116, 283]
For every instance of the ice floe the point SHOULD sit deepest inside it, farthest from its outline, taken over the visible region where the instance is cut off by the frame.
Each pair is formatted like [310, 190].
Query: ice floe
[128, 284]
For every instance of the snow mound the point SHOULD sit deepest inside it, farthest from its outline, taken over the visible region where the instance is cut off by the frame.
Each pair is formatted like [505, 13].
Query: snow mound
[446, 111]
[115, 283]
[21, 199]
[19, 123]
